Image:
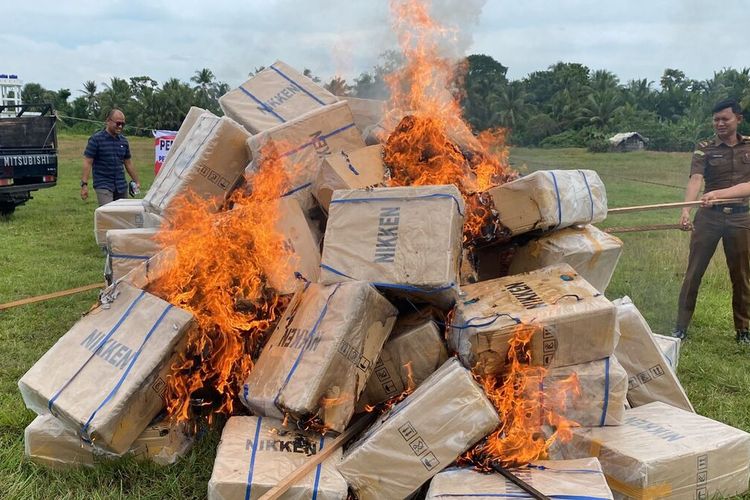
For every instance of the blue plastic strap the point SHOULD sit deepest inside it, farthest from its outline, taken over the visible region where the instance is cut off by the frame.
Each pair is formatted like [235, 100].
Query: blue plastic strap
[591, 198]
[389, 198]
[298, 188]
[317, 470]
[311, 96]
[394, 286]
[467, 324]
[606, 392]
[351, 167]
[249, 487]
[101, 344]
[516, 495]
[557, 195]
[324, 136]
[125, 256]
[262, 104]
[334, 271]
[576, 471]
[85, 428]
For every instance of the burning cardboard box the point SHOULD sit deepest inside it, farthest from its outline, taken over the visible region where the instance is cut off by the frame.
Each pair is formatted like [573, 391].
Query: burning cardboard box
[126, 248]
[404, 239]
[663, 452]
[590, 251]
[578, 324]
[670, 348]
[184, 130]
[573, 479]
[360, 168]
[308, 139]
[105, 377]
[420, 436]
[550, 199]
[273, 96]
[650, 377]
[367, 112]
[47, 441]
[413, 352]
[318, 359]
[257, 453]
[122, 214]
[209, 164]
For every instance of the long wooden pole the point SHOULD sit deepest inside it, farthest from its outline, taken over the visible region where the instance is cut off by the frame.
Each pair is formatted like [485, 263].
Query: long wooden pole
[680, 204]
[650, 227]
[48, 296]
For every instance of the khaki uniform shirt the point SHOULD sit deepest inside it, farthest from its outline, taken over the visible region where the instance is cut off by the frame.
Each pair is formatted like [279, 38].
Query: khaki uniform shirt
[722, 166]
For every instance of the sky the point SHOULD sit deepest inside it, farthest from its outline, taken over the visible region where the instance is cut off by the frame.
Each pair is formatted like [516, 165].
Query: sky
[63, 44]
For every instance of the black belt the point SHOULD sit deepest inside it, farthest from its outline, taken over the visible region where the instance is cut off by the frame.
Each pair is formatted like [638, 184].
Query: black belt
[730, 209]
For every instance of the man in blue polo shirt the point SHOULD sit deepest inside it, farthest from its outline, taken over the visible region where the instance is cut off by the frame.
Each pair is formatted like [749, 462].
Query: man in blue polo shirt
[106, 153]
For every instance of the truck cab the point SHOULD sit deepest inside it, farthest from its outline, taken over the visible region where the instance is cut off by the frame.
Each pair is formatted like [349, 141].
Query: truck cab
[28, 152]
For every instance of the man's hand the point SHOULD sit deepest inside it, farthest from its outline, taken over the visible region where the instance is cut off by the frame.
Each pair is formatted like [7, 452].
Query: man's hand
[84, 192]
[685, 223]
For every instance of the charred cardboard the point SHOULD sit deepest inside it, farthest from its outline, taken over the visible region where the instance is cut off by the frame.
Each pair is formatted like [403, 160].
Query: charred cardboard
[578, 323]
[670, 348]
[257, 453]
[273, 96]
[590, 251]
[550, 199]
[105, 377]
[126, 248]
[573, 479]
[360, 168]
[124, 213]
[650, 377]
[208, 164]
[420, 436]
[406, 240]
[192, 116]
[319, 357]
[663, 452]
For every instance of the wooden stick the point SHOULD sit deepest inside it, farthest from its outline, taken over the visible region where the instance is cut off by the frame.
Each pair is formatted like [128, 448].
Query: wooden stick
[680, 204]
[635, 229]
[304, 469]
[40, 298]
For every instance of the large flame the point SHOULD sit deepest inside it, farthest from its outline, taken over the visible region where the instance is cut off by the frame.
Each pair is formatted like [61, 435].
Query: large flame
[219, 274]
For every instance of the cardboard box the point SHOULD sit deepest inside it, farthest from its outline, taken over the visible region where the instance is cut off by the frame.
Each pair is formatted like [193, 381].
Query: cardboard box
[47, 441]
[308, 139]
[579, 323]
[582, 479]
[670, 348]
[404, 239]
[124, 213]
[257, 453]
[590, 251]
[126, 248]
[650, 377]
[105, 377]
[420, 436]
[413, 352]
[367, 112]
[360, 168]
[142, 275]
[663, 452]
[273, 96]
[319, 357]
[550, 199]
[193, 113]
[209, 164]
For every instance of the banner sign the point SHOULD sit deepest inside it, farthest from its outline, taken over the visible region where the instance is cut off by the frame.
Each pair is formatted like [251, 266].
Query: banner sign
[163, 140]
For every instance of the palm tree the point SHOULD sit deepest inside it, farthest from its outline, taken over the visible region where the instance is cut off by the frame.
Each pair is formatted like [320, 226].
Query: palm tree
[601, 106]
[92, 102]
[116, 94]
[511, 105]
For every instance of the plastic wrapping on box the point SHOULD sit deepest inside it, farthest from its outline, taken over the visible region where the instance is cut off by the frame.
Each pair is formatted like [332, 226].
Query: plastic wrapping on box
[367, 112]
[670, 348]
[420, 436]
[579, 323]
[360, 168]
[209, 164]
[590, 251]
[663, 452]
[571, 479]
[105, 377]
[650, 378]
[192, 116]
[404, 239]
[122, 214]
[274, 95]
[257, 453]
[127, 248]
[319, 357]
[550, 199]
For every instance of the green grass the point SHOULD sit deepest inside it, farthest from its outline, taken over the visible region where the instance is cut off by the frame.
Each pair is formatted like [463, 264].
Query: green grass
[48, 245]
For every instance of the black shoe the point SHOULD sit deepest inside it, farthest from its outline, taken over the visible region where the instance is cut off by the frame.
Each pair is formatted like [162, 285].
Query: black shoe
[680, 333]
[743, 336]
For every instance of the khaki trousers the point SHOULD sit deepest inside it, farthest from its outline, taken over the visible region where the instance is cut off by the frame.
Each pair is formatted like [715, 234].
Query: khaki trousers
[709, 227]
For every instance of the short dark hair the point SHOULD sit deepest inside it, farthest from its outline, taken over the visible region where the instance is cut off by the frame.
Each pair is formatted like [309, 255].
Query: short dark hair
[115, 110]
[727, 103]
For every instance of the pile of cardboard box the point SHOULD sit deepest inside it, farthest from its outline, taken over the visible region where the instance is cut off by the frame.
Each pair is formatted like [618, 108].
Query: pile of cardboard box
[370, 322]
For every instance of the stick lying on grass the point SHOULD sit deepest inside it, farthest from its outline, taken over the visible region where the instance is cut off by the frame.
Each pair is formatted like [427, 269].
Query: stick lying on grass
[39, 298]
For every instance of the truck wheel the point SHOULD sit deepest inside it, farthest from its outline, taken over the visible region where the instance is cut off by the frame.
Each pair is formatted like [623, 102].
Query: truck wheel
[7, 208]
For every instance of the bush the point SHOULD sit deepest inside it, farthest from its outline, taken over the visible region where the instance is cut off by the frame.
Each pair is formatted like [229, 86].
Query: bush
[599, 145]
[566, 139]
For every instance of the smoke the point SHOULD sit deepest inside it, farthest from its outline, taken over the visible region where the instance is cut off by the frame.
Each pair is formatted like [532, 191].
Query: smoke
[462, 17]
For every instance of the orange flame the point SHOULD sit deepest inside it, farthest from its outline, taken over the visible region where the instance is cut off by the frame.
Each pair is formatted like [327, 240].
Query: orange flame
[524, 407]
[219, 275]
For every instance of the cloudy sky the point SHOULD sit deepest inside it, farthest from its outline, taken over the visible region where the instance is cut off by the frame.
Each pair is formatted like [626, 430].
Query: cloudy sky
[62, 44]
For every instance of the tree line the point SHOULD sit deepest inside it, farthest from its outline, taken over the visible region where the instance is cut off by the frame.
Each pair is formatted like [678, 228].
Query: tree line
[566, 105]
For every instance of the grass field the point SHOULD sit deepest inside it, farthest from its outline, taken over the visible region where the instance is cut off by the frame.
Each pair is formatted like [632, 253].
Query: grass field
[48, 245]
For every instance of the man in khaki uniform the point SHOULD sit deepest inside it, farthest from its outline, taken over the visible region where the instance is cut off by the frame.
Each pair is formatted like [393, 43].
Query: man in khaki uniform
[721, 162]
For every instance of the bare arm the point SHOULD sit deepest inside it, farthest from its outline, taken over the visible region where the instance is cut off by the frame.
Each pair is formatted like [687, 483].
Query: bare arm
[131, 171]
[741, 190]
[691, 194]
[88, 164]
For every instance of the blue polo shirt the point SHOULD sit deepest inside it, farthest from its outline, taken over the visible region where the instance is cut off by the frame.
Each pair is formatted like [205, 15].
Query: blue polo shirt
[108, 153]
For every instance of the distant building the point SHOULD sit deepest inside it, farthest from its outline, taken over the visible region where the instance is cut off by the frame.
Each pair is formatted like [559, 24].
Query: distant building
[10, 93]
[628, 141]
